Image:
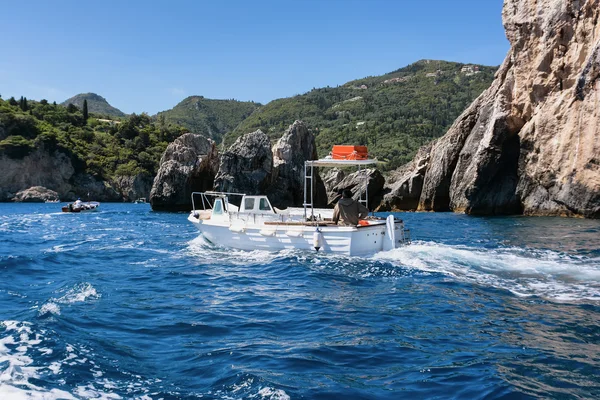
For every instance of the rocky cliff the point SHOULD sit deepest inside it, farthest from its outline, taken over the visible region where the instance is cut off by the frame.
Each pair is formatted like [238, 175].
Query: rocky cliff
[287, 181]
[134, 187]
[531, 143]
[52, 172]
[188, 165]
[246, 167]
[50, 169]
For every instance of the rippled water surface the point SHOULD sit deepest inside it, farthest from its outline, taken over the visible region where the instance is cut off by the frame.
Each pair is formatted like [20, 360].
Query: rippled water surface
[129, 303]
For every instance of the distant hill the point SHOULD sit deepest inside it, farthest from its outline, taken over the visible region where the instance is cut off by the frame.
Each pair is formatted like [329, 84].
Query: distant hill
[394, 114]
[212, 118]
[96, 104]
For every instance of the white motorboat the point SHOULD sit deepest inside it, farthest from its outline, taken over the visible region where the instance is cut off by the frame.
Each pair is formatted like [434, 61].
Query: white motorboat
[81, 207]
[255, 224]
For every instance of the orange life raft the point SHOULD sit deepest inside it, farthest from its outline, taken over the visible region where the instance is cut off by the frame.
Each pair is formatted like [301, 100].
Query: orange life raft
[349, 152]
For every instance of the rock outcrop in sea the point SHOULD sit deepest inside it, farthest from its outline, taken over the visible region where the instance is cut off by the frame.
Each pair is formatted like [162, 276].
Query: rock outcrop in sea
[530, 143]
[188, 165]
[246, 167]
[286, 189]
[36, 194]
[134, 187]
[403, 186]
[368, 181]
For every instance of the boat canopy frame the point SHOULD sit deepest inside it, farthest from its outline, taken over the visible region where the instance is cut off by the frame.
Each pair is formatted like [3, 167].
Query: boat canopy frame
[309, 173]
[205, 198]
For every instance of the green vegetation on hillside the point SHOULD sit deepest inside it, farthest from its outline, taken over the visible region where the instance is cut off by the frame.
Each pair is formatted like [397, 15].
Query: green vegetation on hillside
[211, 118]
[96, 104]
[104, 149]
[393, 114]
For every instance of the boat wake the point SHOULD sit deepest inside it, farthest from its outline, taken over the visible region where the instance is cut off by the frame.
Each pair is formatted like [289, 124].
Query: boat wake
[524, 272]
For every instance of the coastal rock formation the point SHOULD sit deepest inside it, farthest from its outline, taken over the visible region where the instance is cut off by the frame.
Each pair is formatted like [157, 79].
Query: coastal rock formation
[54, 170]
[134, 187]
[368, 181]
[287, 181]
[89, 188]
[530, 143]
[403, 187]
[246, 167]
[331, 179]
[49, 169]
[36, 194]
[188, 165]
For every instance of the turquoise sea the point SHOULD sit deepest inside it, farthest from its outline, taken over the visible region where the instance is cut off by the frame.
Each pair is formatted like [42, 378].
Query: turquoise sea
[126, 303]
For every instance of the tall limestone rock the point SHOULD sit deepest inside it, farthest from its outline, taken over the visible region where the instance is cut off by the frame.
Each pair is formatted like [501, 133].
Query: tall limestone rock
[403, 187]
[134, 187]
[530, 143]
[366, 183]
[246, 167]
[188, 165]
[296, 146]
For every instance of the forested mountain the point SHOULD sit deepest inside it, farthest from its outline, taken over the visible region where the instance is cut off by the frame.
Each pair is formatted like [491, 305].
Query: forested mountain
[103, 149]
[394, 114]
[211, 118]
[96, 104]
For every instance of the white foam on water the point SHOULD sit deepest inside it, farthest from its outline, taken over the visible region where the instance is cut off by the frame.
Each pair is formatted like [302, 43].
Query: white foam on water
[273, 394]
[61, 248]
[19, 346]
[15, 364]
[200, 247]
[79, 293]
[14, 393]
[49, 308]
[524, 272]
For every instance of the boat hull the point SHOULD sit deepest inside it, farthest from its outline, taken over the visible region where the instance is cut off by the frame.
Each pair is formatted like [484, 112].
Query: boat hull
[349, 240]
[87, 207]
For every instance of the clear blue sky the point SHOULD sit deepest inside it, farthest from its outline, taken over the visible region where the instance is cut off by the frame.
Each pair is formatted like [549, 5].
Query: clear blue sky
[149, 55]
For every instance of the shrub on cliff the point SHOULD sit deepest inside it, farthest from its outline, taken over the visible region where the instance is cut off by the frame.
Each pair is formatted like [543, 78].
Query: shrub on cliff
[16, 146]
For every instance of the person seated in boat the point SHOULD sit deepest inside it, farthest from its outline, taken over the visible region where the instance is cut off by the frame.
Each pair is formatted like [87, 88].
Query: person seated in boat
[348, 211]
[78, 203]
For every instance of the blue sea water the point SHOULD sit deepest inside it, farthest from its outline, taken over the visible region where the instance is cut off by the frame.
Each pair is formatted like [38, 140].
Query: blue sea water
[128, 303]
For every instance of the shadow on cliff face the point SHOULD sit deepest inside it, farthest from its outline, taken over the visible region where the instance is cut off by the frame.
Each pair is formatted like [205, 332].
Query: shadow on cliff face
[499, 195]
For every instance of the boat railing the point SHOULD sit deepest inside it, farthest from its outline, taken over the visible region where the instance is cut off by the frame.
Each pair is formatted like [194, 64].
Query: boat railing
[309, 177]
[258, 217]
[206, 196]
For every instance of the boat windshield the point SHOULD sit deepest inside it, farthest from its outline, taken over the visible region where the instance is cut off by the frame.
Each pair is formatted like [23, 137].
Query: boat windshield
[218, 207]
[264, 205]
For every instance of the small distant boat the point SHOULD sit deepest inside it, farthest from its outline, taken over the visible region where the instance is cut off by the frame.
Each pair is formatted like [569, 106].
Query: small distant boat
[53, 201]
[141, 200]
[77, 207]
